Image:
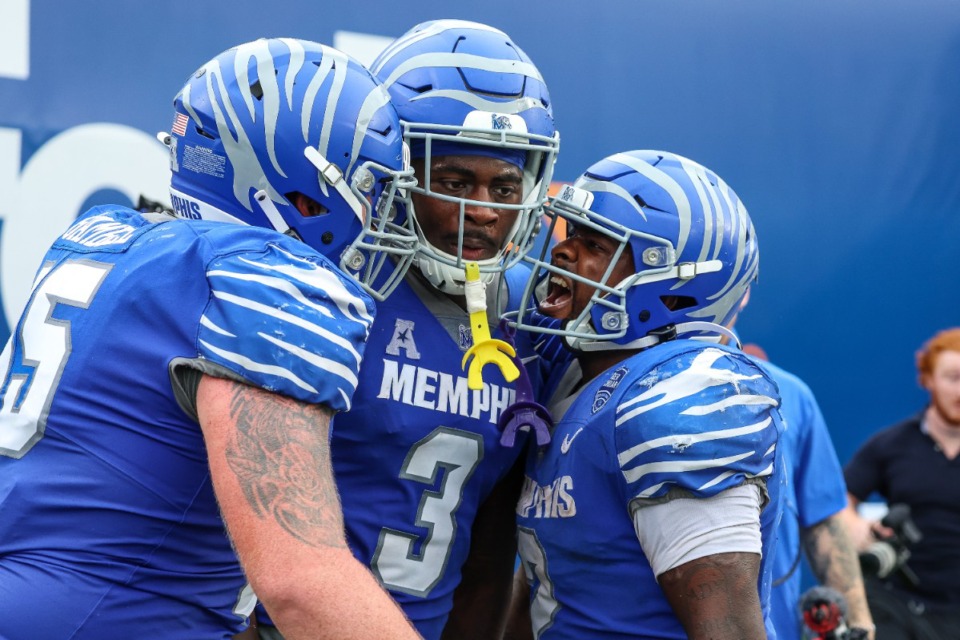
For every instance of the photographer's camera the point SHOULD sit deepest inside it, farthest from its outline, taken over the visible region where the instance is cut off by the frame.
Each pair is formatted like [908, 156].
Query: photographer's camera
[886, 556]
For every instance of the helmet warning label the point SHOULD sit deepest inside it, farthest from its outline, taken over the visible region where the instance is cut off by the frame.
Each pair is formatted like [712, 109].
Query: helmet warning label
[202, 160]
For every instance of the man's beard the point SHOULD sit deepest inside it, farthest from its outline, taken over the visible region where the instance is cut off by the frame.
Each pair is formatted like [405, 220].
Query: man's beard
[948, 413]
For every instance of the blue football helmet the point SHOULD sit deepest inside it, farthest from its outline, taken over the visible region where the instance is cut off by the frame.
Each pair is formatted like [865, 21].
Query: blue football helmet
[269, 121]
[463, 88]
[693, 247]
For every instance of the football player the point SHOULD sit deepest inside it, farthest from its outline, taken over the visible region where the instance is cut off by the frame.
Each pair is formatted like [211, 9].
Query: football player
[651, 512]
[168, 389]
[427, 487]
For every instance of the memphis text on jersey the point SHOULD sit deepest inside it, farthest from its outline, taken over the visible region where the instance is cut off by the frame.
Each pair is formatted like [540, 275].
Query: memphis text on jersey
[435, 390]
[554, 500]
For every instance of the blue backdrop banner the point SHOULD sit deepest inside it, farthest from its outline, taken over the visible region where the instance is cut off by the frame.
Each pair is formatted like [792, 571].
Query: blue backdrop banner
[835, 122]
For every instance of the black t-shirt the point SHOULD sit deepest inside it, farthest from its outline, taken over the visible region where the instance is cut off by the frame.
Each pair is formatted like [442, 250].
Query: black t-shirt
[905, 465]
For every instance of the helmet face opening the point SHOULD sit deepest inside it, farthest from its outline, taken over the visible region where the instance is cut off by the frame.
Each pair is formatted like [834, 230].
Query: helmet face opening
[273, 122]
[693, 246]
[465, 89]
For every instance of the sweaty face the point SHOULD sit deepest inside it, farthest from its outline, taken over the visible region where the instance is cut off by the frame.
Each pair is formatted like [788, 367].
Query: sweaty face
[944, 387]
[485, 228]
[586, 253]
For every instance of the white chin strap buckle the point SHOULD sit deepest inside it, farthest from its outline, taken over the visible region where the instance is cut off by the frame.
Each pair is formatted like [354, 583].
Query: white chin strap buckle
[687, 270]
[333, 176]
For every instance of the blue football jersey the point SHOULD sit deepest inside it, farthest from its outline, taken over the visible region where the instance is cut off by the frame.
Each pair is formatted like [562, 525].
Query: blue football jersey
[815, 491]
[110, 527]
[420, 452]
[683, 416]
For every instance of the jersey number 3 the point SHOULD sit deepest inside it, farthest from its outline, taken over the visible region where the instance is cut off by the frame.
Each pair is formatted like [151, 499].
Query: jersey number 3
[37, 352]
[396, 562]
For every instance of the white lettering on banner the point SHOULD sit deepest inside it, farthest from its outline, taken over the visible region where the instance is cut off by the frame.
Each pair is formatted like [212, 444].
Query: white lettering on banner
[15, 39]
[365, 47]
[41, 202]
[439, 391]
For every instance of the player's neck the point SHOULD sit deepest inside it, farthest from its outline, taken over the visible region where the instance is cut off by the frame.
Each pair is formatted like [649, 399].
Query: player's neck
[459, 300]
[594, 363]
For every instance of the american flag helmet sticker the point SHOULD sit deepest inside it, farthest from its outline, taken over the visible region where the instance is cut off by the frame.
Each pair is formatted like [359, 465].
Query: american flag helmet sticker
[180, 124]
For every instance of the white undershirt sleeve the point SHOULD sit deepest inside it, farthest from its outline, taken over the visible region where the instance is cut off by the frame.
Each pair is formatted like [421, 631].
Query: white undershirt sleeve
[685, 528]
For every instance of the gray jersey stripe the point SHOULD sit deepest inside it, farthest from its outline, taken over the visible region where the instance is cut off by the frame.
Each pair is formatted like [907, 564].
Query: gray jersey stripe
[289, 318]
[259, 367]
[689, 439]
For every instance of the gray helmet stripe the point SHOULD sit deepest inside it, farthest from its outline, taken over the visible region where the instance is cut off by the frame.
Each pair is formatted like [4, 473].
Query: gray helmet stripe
[597, 186]
[340, 65]
[434, 29]
[738, 279]
[481, 104]
[463, 61]
[246, 168]
[697, 175]
[297, 56]
[260, 51]
[271, 103]
[185, 98]
[674, 190]
[310, 97]
[374, 101]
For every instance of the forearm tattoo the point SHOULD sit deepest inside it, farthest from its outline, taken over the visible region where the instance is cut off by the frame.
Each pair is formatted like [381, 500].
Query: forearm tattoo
[280, 455]
[835, 562]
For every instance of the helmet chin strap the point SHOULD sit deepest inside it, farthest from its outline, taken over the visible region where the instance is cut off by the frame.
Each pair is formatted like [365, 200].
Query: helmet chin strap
[448, 279]
[333, 176]
[657, 336]
[270, 210]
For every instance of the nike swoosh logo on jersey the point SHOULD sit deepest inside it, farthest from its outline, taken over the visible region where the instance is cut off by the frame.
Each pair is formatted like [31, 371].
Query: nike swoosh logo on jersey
[568, 440]
[528, 359]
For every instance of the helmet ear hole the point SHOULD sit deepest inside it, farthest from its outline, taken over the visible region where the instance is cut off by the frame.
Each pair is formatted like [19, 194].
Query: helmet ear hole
[307, 206]
[678, 303]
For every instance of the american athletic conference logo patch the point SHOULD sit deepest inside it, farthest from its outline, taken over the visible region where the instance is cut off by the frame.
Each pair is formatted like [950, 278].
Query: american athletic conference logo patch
[605, 391]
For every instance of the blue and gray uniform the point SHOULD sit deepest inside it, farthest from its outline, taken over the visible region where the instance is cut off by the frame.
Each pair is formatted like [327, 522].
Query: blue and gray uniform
[110, 527]
[683, 419]
[420, 452]
[815, 491]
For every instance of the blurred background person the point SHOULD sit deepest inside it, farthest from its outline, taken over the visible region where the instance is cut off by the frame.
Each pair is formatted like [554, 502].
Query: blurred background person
[813, 522]
[913, 585]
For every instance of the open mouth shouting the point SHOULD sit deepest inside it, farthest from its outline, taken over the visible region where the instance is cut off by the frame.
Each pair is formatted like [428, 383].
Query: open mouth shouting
[558, 299]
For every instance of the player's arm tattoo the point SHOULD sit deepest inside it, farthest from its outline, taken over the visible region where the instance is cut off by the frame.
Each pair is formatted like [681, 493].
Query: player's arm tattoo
[280, 454]
[835, 562]
[716, 596]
